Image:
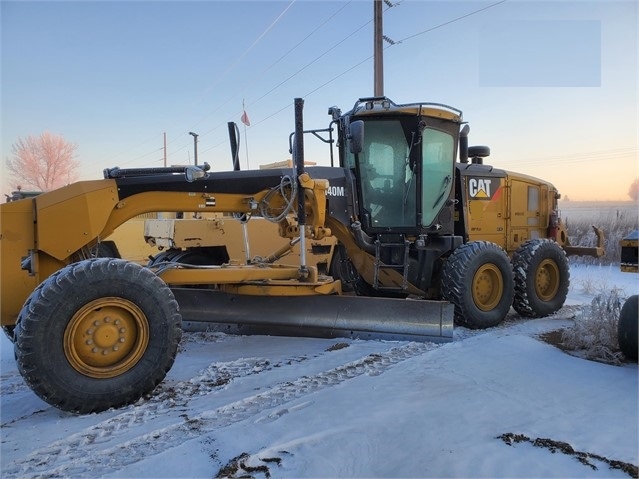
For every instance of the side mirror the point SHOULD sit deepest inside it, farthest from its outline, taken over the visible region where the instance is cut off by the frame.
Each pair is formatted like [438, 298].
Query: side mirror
[356, 137]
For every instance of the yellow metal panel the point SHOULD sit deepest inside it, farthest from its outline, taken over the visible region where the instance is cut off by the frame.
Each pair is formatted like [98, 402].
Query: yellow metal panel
[185, 233]
[528, 207]
[70, 217]
[233, 274]
[174, 201]
[280, 288]
[16, 240]
[487, 197]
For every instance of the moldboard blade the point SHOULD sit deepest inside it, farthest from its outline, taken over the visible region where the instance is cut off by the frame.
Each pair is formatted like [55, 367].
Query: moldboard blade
[324, 316]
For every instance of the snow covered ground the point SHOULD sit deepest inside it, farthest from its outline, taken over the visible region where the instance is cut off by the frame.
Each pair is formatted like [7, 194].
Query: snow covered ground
[493, 403]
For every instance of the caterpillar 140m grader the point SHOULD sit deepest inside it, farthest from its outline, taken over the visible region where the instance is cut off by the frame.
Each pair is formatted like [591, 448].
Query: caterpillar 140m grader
[421, 241]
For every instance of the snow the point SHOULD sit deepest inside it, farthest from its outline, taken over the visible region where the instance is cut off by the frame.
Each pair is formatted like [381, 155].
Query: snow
[258, 406]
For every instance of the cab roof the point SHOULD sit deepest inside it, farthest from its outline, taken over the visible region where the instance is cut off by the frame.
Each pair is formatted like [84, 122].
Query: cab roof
[381, 105]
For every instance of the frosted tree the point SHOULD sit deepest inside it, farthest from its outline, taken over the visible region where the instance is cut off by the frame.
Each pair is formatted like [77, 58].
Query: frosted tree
[43, 162]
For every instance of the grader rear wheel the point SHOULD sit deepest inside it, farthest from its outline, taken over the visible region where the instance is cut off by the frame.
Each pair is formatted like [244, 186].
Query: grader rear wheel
[477, 279]
[97, 334]
[542, 278]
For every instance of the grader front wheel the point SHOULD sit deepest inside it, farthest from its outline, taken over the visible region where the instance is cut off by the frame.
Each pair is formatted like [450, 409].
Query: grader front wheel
[97, 334]
[106, 337]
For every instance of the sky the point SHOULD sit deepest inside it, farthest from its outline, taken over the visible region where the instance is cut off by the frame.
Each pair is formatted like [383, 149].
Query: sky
[551, 87]
[325, 408]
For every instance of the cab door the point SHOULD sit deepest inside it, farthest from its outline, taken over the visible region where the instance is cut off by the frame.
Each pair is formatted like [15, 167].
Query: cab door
[529, 218]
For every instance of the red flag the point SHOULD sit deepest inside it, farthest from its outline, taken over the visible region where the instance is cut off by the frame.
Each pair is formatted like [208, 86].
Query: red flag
[245, 119]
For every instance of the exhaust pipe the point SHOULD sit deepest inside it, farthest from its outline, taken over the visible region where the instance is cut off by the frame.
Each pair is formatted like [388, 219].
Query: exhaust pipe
[364, 241]
[233, 139]
[463, 144]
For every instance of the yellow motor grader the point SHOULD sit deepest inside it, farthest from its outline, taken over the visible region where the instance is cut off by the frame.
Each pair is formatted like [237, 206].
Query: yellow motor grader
[420, 240]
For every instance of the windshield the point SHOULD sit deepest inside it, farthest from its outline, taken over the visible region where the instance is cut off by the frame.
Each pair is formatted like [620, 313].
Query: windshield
[388, 177]
[388, 189]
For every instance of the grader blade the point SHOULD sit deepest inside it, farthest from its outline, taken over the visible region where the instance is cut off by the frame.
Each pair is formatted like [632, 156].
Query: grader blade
[316, 316]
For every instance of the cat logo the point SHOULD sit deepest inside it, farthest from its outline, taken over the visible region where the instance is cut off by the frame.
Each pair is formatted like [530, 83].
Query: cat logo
[480, 188]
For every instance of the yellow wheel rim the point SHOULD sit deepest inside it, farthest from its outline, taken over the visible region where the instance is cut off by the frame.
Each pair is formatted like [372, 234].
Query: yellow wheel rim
[106, 337]
[488, 287]
[547, 280]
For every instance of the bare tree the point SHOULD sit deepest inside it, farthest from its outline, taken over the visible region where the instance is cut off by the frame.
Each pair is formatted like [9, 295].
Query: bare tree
[633, 191]
[43, 162]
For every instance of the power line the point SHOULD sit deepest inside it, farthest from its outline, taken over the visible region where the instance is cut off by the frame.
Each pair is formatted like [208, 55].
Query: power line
[277, 61]
[371, 56]
[259, 75]
[241, 57]
[131, 148]
[230, 68]
[451, 21]
[410, 37]
[287, 79]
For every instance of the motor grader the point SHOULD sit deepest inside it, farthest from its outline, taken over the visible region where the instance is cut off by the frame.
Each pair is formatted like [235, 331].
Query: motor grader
[421, 239]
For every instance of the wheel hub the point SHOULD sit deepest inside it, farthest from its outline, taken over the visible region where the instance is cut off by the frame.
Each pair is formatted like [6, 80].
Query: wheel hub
[547, 280]
[106, 337]
[488, 287]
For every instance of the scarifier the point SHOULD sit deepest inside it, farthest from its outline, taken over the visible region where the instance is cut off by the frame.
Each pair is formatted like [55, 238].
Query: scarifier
[416, 242]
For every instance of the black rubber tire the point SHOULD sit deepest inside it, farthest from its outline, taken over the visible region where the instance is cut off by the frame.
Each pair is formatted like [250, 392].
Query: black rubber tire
[55, 327]
[628, 328]
[105, 249]
[200, 256]
[542, 278]
[342, 268]
[162, 257]
[9, 331]
[477, 279]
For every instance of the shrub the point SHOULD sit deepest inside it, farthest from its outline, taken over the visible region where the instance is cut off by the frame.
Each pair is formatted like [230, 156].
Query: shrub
[594, 334]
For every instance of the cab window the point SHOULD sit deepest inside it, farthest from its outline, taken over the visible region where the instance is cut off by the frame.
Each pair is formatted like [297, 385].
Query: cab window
[438, 163]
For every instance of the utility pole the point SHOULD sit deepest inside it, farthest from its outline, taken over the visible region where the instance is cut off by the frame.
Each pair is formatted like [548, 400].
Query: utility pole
[195, 135]
[378, 42]
[165, 149]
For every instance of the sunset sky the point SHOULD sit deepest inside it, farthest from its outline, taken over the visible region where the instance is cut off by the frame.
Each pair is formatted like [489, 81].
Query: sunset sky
[551, 87]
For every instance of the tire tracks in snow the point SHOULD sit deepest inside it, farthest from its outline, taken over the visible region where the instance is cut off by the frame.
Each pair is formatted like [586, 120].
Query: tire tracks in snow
[87, 451]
